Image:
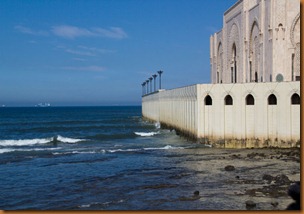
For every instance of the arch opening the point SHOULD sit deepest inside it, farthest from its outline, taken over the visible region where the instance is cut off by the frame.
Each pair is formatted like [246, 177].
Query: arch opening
[249, 100]
[228, 100]
[208, 101]
[272, 100]
[295, 99]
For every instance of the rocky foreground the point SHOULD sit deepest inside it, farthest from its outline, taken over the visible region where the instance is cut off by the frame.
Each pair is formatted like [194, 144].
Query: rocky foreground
[252, 179]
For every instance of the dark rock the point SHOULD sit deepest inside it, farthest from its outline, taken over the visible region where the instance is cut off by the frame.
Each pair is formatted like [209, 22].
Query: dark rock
[294, 191]
[274, 203]
[229, 168]
[250, 204]
[196, 193]
[268, 178]
[237, 177]
[194, 197]
[294, 206]
[281, 179]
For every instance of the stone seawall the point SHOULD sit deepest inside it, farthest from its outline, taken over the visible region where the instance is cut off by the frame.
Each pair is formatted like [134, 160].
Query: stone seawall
[230, 115]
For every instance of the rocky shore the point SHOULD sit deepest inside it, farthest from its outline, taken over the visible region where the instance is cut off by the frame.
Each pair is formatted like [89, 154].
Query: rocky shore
[249, 179]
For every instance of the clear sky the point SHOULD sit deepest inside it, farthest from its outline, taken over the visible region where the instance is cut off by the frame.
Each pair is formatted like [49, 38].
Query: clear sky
[86, 52]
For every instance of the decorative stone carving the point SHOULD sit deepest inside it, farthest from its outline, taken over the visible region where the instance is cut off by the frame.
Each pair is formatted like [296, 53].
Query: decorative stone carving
[295, 29]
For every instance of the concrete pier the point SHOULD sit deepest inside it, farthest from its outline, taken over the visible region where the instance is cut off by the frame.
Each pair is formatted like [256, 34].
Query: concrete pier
[240, 115]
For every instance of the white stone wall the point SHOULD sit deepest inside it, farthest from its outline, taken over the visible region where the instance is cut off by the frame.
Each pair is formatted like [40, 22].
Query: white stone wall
[236, 126]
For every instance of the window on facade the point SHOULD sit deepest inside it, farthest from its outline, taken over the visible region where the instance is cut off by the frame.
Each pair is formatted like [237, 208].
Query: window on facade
[256, 76]
[292, 67]
[298, 78]
[249, 100]
[228, 100]
[295, 99]
[272, 99]
[208, 100]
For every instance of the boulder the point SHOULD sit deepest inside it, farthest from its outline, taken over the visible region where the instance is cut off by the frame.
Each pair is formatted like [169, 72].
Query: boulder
[229, 168]
[281, 179]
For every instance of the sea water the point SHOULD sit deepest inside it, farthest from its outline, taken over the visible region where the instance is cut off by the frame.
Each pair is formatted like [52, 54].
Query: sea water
[88, 158]
[109, 158]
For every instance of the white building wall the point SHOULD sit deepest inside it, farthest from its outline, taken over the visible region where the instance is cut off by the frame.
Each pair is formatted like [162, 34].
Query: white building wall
[236, 126]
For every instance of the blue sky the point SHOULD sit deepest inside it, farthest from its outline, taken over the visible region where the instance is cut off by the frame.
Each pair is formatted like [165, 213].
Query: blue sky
[86, 52]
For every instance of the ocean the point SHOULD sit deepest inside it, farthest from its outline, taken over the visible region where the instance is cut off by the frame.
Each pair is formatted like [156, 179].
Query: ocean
[107, 158]
[82, 158]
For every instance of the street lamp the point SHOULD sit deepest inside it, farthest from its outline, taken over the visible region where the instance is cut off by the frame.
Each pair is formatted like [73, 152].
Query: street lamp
[147, 82]
[154, 76]
[150, 78]
[143, 88]
[160, 73]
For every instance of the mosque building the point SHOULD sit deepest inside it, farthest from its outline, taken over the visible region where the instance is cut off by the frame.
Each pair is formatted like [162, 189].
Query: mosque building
[259, 42]
[253, 99]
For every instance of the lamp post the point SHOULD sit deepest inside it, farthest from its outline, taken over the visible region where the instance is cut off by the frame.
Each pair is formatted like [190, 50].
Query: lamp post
[143, 88]
[154, 76]
[150, 78]
[147, 83]
[160, 73]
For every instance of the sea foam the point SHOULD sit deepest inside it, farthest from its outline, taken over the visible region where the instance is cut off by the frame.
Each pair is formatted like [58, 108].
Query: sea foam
[30, 142]
[146, 134]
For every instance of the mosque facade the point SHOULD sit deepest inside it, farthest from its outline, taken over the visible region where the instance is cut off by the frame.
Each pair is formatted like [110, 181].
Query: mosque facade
[259, 42]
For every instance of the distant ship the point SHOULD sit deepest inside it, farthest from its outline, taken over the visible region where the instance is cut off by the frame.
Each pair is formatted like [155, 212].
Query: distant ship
[43, 105]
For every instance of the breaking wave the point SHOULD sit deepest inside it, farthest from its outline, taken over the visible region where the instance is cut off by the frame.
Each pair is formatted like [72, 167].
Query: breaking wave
[143, 149]
[27, 150]
[30, 142]
[146, 134]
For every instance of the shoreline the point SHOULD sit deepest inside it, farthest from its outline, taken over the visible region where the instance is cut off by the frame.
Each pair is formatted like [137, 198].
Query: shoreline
[259, 175]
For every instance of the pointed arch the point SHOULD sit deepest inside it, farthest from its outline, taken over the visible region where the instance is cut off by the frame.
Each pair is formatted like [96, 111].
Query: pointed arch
[272, 99]
[233, 51]
[295, 99]
[219, 69]
[249, 99]
[208, 100]
[228, 100]
[254, 52]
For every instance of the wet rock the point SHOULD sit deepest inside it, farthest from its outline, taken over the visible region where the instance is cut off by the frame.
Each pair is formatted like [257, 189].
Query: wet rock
[294, 191]
[274, 203]
[250, 204]
[229, 168]
[234, 156]
[196, 193]
[268, 178]
[281, 180]
[194, 197]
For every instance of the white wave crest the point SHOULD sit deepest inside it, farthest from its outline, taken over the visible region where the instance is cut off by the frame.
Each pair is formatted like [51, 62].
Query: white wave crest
[6, 150]
[164, 148]
[146, 134]
[123, 150]
[25, 142]
[30, 142]
[157, 125]
[68, 140]
[140, 149]
[27, 150]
